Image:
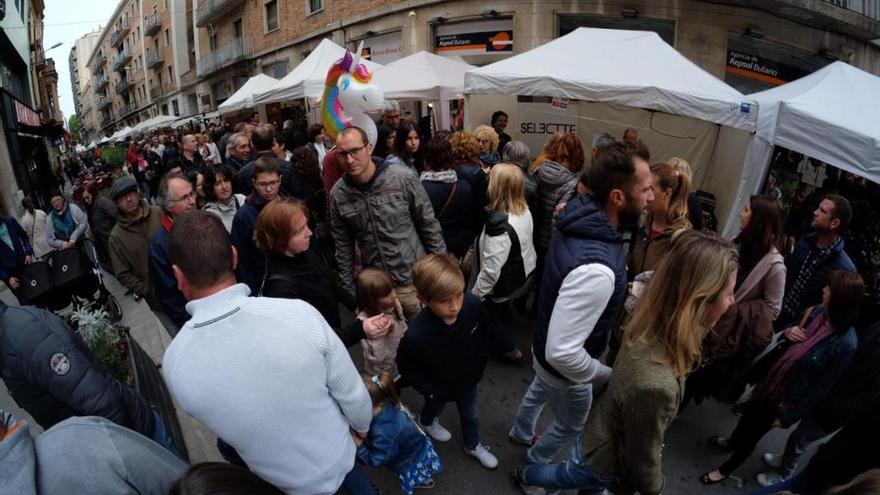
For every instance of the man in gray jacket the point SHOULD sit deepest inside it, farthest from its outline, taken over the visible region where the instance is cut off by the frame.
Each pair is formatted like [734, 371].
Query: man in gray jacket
[386, 211]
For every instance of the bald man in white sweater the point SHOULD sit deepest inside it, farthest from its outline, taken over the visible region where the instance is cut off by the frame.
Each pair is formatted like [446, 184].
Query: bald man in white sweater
[268, 376]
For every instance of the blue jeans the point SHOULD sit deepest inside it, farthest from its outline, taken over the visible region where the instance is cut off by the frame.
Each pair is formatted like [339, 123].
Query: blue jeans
[161, 435]
[573, 473]
[466, 403]
[795, 484]
[356, 482]
[570, 403]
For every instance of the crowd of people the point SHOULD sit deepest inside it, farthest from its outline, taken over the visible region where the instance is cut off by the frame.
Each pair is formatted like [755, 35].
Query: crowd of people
[248, 250]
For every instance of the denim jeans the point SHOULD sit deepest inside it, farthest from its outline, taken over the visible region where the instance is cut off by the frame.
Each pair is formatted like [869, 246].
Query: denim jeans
[161, 435]
[466, 403]
[573, 473]
[570, 404]
[356, 482]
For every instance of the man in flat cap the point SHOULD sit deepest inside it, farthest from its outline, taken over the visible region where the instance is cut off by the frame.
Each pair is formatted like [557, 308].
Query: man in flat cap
[130, 238]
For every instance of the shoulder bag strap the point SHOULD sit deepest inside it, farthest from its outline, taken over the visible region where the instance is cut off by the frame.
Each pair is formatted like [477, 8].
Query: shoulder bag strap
[448, 200]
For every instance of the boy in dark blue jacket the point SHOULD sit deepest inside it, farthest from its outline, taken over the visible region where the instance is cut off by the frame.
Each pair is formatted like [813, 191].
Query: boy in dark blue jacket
[445, 349]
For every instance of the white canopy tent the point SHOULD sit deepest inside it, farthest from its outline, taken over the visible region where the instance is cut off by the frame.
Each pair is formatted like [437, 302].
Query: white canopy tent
[607, 80]
[422, 76]
[186, 120]
[244, 97]
[92, 145]
[831, 115]
[104, 140]
[307, 79]
[153, 123]
[121, 134]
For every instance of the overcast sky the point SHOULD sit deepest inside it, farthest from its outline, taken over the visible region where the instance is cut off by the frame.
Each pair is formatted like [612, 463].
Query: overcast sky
[64, 22]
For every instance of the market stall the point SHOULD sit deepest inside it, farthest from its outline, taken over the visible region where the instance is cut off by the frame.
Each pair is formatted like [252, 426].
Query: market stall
[244, 97]
[821, 134]
[602, 80]
[307, 79]
[424, 77]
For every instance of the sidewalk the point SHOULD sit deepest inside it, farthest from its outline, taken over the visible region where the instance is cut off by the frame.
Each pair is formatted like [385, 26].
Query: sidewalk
[151, 335]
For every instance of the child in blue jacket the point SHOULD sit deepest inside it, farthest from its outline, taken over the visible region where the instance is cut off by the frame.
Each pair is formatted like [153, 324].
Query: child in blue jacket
[395, 440]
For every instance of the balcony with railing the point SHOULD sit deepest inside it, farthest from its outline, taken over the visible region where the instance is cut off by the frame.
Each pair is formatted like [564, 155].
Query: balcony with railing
[123, 85]
[155, 58]
[121, 59]
[152, 24]
[106, 121]
[102, 102]
[235, 51]
[156, 91]
[127, 109]
[211, 11]
[97, 63]
[101, 82]
[119, 31]
[855, 18]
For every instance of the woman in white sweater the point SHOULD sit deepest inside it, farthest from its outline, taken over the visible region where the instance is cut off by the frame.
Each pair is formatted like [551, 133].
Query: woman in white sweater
[505, 252]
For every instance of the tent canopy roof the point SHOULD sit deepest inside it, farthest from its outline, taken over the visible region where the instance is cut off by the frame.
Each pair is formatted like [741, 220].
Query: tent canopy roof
[244, 97]
[422, 76]
[830, 115]
[632, 68]
[307, 79]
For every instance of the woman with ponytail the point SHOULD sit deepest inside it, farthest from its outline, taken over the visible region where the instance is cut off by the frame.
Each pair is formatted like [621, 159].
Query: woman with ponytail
[395, 440]
[667, 217]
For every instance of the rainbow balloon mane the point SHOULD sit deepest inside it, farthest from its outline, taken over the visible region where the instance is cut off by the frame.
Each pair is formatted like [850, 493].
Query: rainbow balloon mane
[332, 112]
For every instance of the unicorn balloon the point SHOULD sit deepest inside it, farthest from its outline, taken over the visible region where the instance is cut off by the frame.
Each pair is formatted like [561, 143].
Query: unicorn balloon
[349, 96]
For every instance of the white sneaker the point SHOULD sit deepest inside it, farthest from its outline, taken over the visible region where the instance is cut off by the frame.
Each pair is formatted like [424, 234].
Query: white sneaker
[769, 478]
[481, 452]
[772, 460]
[437, 432]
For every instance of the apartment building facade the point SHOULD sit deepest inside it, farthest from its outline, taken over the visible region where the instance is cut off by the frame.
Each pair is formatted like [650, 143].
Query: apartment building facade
[80, 83]
[138, 64]
[192, 59]
[30, 115]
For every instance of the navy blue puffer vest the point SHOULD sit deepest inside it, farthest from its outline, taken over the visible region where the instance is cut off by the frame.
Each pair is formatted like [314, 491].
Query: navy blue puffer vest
[584, 236]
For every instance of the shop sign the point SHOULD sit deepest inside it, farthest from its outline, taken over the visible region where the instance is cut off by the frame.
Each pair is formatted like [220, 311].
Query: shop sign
[475, 38]
[25, 115]
[763, 69]
[539, 120]
[383, 49]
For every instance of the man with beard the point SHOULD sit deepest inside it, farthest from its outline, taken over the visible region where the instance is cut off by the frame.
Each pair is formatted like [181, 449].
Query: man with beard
[583, 287]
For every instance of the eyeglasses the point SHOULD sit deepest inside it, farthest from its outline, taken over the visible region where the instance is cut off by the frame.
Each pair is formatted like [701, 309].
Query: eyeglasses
[344, 154]
[268, 185]
[185, 197]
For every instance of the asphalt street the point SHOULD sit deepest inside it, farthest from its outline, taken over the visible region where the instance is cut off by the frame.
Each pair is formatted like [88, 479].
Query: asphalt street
[686, 456]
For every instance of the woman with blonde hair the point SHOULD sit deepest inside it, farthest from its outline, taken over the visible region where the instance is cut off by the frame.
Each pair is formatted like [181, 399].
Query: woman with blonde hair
[666, 216]
[505, 253]
[623, 437]
[563, 160]
[489, 140]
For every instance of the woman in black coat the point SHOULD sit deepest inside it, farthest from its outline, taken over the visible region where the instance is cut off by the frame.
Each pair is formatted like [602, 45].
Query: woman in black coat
[102, 213]
[295, 270]
[451, 196]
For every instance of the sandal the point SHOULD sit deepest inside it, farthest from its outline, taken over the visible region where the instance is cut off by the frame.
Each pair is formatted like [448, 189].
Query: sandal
[714, 441]
[706, 480]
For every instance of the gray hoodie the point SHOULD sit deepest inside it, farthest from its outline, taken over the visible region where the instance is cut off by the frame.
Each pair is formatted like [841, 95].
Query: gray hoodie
[83, 455]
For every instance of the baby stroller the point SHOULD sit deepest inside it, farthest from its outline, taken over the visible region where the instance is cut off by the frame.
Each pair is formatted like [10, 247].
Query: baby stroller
[69, 279]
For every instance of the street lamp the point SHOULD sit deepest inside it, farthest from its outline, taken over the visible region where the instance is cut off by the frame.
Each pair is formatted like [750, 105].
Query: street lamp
[56, 45]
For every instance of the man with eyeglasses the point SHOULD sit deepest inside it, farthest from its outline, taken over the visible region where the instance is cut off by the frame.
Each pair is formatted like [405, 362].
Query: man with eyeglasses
[266, 186]
[176, 197]
[266, 144]
[386, 211]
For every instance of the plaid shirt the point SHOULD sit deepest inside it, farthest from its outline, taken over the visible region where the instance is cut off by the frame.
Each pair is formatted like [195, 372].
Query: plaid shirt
[791, 304]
